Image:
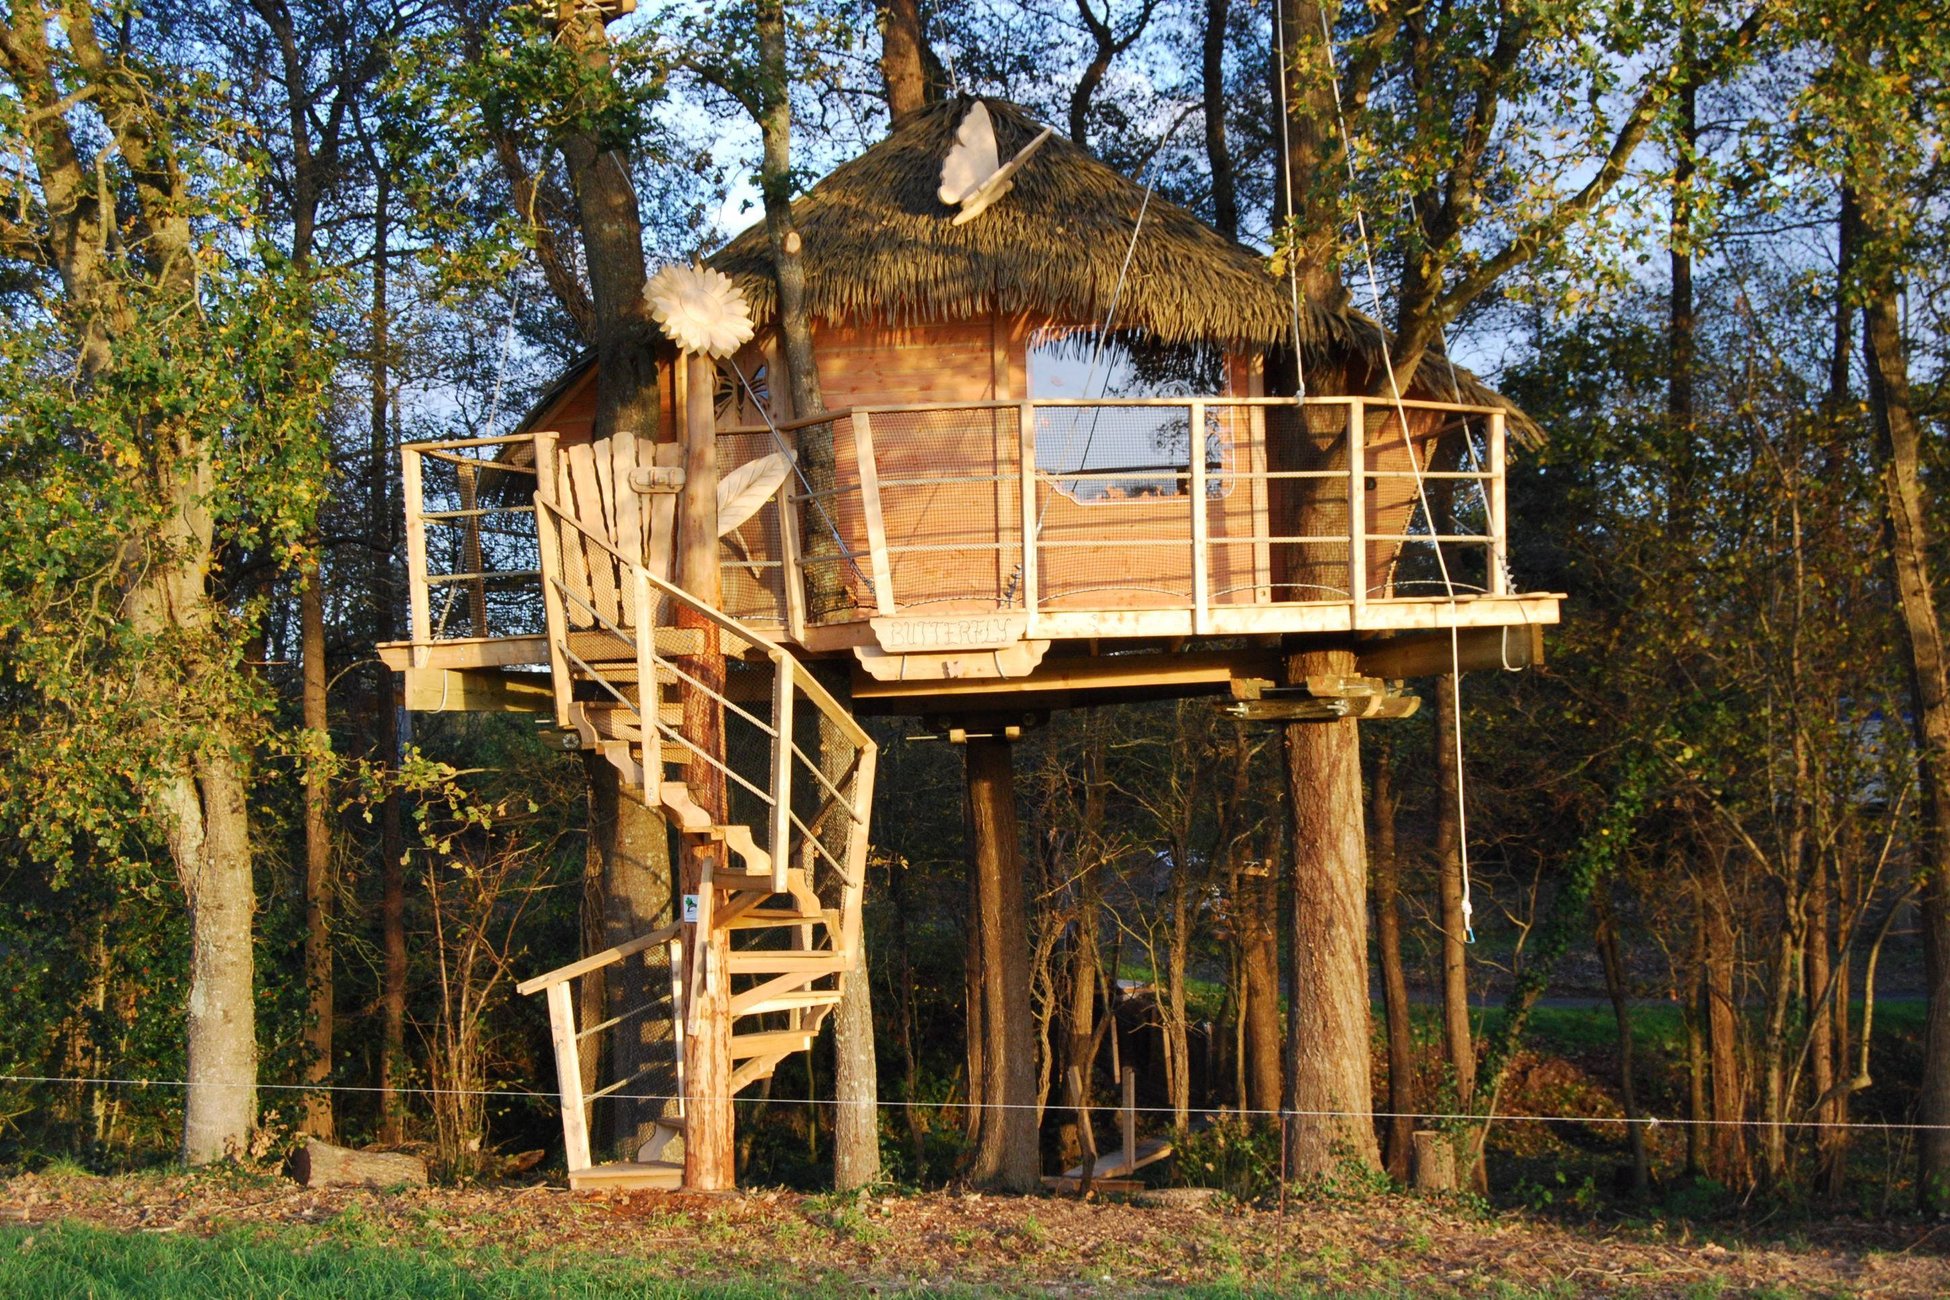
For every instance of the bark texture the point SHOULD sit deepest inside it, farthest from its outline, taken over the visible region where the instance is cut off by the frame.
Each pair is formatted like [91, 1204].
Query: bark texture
[1329, 1087]
[1006, 1156]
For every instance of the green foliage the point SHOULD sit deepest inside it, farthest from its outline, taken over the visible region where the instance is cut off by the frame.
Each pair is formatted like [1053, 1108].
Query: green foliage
[225, 389]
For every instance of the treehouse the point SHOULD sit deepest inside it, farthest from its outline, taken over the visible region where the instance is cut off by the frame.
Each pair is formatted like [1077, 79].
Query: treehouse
[1061, 461]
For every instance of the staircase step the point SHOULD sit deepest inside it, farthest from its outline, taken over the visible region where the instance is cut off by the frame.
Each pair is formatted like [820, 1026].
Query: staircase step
[796, 1001]
[769, 1043]
[749, 1072]
[787, 962]
[623, 1175]
[613, 721]
[675, 796]
[772, 918]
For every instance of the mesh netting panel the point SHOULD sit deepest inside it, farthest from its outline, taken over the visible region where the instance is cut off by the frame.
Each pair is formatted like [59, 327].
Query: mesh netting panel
[1307, 517]
[950, 502]
[1235, 507]
[483, 557]
[641, 1049]
[747, 748]
[1115, 503]
[832, 524]
[751, 556]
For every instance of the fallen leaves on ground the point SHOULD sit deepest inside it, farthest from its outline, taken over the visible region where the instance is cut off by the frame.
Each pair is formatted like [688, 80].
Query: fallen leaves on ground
[1026, 1245]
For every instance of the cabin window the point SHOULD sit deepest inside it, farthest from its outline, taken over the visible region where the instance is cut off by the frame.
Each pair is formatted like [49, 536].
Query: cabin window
[1099, 455]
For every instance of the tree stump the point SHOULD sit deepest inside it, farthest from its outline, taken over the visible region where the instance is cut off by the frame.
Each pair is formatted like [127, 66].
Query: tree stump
[320, 1164]
[1435, 1161]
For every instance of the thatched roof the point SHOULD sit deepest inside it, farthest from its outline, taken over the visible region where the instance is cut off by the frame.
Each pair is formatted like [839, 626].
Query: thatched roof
[880, 244]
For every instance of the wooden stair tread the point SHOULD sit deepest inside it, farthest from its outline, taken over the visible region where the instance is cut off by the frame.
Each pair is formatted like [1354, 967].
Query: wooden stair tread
[763, 962]
[625, 1175]
[798, 1000]
[769, 1042]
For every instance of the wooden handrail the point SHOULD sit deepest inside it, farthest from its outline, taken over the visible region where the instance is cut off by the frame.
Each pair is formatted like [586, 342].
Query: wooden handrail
[598, 960]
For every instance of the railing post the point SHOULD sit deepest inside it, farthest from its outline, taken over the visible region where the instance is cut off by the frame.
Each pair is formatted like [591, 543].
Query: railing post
[883, 569]
[1029, 515]
[649, 694]
[548, 541]
[1201, 579]
[781, 843]
[1495, 580]
[1357, 504]
[419, 605]
[793, 559]
[568, 1074]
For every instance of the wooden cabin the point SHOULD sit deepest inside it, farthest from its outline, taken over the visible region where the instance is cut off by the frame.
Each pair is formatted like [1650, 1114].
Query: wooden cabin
[974, 401]
[1062, 462]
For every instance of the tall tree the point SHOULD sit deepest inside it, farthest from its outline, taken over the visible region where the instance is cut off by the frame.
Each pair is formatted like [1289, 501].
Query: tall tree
[157, 439]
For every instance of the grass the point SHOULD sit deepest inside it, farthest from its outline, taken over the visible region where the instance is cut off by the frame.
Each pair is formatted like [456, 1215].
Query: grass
[70, 1259]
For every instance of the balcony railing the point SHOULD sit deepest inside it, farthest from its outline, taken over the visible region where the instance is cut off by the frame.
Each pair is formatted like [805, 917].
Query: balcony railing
[1044, 518]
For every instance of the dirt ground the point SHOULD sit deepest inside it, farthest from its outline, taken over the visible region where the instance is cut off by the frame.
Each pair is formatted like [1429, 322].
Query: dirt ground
[1025, 1245]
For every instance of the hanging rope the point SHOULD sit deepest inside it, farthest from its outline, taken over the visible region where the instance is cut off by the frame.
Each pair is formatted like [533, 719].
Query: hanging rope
[1415, 466]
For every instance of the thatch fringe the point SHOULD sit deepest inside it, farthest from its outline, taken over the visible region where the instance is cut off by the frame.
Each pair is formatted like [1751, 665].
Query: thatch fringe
[880, 245]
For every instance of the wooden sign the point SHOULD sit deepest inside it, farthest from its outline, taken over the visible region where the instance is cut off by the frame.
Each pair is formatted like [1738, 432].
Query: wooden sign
[944, 633]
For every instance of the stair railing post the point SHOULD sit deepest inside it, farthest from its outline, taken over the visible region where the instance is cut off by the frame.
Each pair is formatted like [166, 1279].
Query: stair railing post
[548, 539]
[649, 695]
[780, 838]
[568, 1074]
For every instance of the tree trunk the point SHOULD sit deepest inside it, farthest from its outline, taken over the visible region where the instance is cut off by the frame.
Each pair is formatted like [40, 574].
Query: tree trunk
[1621, 1006]
[1457, 1038]
[1727, 1143]
[856, 1084]
[317, 1120]
[1906, 509]
[907, 65]
[386, 741]
[1398, 1148]
[1697, 1112]
[320, 1164]
[1260, 982]
[1328, 1083]
[1006, 1155]
[1218, 153]
[209, 838]
[1818, 968]
[628, 864]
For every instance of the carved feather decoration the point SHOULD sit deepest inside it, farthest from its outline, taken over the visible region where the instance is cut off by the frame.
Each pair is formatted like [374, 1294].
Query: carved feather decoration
[970, 174]
[744, 491]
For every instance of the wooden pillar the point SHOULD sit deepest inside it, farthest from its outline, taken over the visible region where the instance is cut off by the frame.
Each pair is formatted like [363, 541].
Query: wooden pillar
[709, 1154]
[1006, 1152]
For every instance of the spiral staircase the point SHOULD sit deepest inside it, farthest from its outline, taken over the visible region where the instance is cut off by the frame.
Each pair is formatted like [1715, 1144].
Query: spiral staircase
[734, 741]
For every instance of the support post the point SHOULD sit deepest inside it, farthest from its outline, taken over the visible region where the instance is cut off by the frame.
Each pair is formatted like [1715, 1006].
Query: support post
[568, 1072]
[709, 1155]
[1357, 505]
[1030, 514]
[548, 536]
[1495, 580]
[1201, 573]
[878, 559]
[419, 605]
[1127, 1119]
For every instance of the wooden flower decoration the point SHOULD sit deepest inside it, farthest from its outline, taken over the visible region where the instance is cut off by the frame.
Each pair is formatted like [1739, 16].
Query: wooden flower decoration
[701, 310]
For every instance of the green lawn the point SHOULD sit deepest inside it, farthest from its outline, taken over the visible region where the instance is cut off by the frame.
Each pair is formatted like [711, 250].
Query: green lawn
[72, 1260]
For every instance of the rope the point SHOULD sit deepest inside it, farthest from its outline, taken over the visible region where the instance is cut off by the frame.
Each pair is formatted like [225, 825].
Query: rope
[1415, 465]
[1649, 1121]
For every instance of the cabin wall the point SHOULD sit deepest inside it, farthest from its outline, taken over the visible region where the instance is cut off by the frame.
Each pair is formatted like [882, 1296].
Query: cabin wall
[950, 482]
